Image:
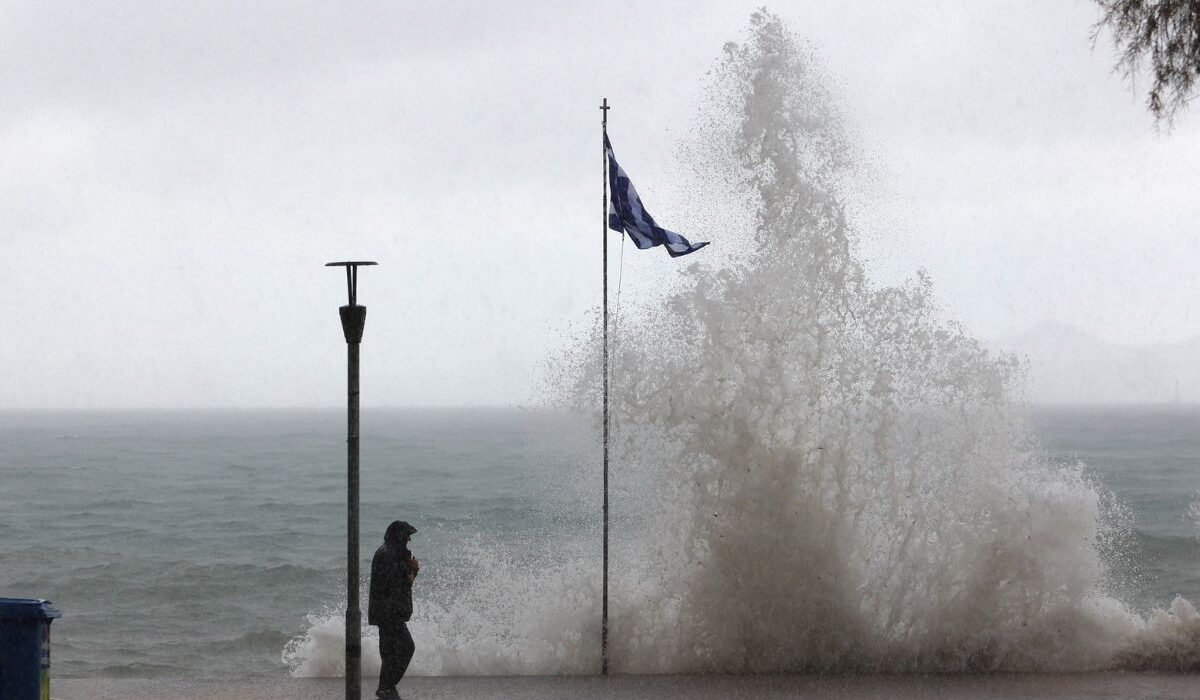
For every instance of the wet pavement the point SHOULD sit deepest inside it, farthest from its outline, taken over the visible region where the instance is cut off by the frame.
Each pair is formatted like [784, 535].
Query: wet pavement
[891, 687]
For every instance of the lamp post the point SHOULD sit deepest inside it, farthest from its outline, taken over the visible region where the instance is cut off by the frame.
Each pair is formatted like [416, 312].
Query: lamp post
[354, 317]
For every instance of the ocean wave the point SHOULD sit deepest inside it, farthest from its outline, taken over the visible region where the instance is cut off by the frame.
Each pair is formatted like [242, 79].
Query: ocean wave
[139, 669]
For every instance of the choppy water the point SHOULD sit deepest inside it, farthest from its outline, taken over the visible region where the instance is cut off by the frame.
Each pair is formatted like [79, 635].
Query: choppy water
[197, 544]
[1150, 457]
[184, 544]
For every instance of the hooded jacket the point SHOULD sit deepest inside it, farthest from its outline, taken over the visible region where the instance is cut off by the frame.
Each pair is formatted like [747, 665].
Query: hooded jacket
[390, 599]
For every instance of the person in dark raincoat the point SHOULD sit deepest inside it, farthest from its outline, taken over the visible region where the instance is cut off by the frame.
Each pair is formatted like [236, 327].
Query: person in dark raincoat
[389, 605]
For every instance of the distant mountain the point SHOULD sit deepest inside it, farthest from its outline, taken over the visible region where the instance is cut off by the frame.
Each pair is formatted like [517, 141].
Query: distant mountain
[1067, 365]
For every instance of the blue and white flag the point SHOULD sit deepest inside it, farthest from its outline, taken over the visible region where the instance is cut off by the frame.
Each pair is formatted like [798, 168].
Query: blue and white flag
[628, 214]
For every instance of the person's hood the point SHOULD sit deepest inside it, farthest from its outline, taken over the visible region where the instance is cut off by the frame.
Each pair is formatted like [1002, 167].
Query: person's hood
[394, 537]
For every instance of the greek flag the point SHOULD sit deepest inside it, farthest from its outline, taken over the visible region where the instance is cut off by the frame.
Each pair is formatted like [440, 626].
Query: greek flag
[630, 216]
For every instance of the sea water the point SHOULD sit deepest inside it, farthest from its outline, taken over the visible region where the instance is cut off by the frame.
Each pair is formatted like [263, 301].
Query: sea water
[201, 544]
[212, 544]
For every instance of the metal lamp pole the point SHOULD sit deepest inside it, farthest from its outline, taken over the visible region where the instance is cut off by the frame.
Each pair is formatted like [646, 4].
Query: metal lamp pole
[354, 317]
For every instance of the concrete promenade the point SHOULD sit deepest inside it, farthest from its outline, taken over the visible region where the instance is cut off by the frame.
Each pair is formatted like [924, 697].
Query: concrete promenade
[904, 687]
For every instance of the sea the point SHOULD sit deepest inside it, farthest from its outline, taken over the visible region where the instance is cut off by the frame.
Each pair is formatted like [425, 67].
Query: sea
[202, 544]
[212, 544]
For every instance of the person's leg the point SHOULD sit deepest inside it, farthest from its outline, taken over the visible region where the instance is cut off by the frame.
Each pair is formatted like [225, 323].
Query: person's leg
[404, 650]
[390, 670]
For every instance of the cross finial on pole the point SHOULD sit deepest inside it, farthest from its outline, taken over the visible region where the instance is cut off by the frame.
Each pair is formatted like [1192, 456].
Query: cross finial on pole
[604, 112]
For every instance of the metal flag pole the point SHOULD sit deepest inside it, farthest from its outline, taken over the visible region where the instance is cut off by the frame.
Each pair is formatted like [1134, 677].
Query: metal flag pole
[354, 317]
[604, 236]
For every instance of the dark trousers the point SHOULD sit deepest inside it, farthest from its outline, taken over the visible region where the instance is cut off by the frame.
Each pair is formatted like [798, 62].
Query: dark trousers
[396, 650]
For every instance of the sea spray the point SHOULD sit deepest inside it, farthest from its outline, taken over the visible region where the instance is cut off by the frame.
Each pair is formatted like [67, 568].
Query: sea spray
[503, 610]
[320, 651]
[858, 491]
[814, 473]
[852, 482]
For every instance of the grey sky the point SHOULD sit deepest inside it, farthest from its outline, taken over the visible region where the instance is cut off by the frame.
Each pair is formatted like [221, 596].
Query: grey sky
[174, 175]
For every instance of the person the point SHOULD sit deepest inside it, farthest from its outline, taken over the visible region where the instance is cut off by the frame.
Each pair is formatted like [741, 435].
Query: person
[389, 605]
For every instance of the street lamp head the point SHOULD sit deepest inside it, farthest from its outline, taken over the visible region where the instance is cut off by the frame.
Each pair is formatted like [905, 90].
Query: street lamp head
[351, 276]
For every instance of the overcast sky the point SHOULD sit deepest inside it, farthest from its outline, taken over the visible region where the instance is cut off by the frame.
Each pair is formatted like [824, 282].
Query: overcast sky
[174, 175]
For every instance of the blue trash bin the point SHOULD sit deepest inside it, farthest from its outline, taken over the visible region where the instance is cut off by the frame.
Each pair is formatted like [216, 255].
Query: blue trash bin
[25, 648]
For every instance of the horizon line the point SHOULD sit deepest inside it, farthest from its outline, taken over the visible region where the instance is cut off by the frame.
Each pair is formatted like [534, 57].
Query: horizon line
[496, 407]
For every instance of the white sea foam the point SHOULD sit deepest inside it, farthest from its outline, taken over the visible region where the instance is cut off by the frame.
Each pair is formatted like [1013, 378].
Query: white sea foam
[512, 616]
[823, 476]
[320, 651]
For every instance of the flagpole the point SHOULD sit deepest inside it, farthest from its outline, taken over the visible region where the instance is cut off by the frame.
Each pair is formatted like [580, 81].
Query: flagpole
[604, 237]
